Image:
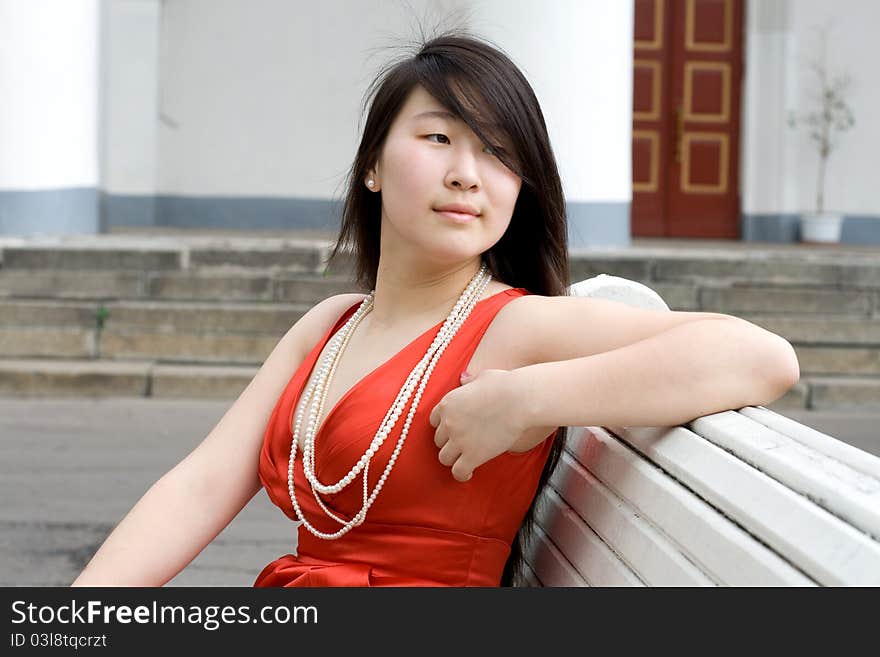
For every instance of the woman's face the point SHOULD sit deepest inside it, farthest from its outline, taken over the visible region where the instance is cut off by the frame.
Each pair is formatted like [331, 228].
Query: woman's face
[429, 161]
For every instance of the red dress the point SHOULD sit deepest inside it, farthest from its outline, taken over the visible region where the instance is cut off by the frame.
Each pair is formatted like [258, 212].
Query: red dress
[424, 528]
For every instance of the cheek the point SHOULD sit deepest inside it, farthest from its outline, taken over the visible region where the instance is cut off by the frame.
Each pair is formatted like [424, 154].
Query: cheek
[406, 167]
[506, 190]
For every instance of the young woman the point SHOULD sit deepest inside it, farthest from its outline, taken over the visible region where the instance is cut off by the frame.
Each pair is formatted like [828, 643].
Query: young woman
[407, 432]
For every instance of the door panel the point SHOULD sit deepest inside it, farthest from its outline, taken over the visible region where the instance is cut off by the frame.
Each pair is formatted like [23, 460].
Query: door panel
[651, 135]
[686, 132]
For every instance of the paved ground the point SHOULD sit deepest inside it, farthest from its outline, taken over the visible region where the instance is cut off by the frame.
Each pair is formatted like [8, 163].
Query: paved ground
[71, 469]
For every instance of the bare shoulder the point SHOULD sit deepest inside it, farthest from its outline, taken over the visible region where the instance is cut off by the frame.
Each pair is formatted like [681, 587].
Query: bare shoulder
[312, 326]
[543, 329]
[512, 332]
[335, 305]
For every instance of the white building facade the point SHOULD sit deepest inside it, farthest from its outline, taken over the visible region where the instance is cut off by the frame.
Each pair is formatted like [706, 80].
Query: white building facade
[230, 114]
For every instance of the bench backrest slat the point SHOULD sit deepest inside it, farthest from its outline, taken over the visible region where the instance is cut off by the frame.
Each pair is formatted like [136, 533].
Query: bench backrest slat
[644, 548]
[550, 566]
[824, 547]
[722, 549]
[858, 459]
[592, 558]
[834, 486]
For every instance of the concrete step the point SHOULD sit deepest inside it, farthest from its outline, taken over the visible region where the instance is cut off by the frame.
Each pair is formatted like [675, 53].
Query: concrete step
[187, 347]
[204, 285]
[73, 378]
[48, 342]
[168, 331]
[745, 300]
[820, 330]
[164, 316]
[217, 286]
[855, 393]
[305, 256]
[731, 268]
[84, 284]
[758, 266]
[130, 378]
[833, 392]
[137, 345]
[133, 344]
[838, 360]
[92, 257]
[202, 317]
[740, 300]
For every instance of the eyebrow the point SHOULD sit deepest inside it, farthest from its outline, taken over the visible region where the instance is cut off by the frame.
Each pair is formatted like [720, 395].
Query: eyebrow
[443, 114]
[439, 114]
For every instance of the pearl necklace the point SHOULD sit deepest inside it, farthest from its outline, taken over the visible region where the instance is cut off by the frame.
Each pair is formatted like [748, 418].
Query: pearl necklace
[316, 394]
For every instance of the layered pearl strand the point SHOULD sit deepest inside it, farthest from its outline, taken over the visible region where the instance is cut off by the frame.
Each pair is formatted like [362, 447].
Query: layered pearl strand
[316, 394]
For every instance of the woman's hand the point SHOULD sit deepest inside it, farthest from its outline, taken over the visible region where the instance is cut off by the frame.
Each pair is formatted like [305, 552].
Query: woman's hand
[483, 418]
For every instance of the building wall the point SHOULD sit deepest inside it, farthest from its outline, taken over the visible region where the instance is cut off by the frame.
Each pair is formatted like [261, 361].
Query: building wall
[217, 112]
[224, 113]
[263, 101]
[779, 164]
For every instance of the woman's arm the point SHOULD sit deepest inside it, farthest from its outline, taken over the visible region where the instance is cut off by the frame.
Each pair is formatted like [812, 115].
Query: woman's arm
[168, 527]
[191, 504]
[686, 372]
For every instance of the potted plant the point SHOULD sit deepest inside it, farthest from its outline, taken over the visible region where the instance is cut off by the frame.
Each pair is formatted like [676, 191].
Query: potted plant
[829, 116]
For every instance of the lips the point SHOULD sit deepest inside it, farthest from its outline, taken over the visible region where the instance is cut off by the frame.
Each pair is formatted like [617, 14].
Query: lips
[458, 208]
[460, 213]
[458, 217]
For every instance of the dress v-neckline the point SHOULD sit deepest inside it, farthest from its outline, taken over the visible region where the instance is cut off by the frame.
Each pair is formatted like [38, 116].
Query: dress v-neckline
[327, 337]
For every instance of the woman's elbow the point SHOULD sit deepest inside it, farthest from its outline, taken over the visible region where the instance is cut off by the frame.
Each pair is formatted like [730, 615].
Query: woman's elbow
[788, 369]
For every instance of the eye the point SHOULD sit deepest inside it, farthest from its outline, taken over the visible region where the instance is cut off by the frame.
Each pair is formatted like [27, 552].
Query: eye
[488, 149]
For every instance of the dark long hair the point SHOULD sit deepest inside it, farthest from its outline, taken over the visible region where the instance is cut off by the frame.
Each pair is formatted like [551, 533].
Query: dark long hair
[476, 81]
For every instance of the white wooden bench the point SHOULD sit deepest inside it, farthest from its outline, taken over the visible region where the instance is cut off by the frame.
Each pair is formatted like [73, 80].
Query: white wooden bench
[738, 498]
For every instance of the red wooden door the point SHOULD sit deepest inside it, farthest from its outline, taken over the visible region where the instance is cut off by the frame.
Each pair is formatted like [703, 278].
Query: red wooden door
[687, 69]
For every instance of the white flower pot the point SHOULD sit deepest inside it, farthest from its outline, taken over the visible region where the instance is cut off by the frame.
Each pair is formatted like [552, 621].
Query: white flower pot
[822, 227]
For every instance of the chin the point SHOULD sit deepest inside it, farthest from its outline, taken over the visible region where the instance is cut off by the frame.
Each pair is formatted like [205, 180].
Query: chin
[457, 257]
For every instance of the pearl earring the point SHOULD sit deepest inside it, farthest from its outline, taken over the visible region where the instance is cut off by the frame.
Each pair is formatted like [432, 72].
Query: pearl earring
[370, 183]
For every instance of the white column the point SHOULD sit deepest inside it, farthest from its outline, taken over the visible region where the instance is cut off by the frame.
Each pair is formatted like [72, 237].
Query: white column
[766, 88]
[49, 117]
[577, 55]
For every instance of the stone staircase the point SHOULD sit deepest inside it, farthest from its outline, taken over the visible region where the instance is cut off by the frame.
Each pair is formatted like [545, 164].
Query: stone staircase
[827, 304]
[187, 317]
[151, 317]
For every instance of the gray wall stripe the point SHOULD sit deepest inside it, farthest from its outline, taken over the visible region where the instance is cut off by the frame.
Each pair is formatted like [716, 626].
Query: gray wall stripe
[74, 210]
[89, 211]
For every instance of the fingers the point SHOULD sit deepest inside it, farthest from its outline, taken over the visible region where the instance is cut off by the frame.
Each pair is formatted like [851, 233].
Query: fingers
[441, 437]
[461, 472]
[436, 413]
[448, 454]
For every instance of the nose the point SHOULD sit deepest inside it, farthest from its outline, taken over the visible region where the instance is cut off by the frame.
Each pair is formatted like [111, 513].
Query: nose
[462, 172]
